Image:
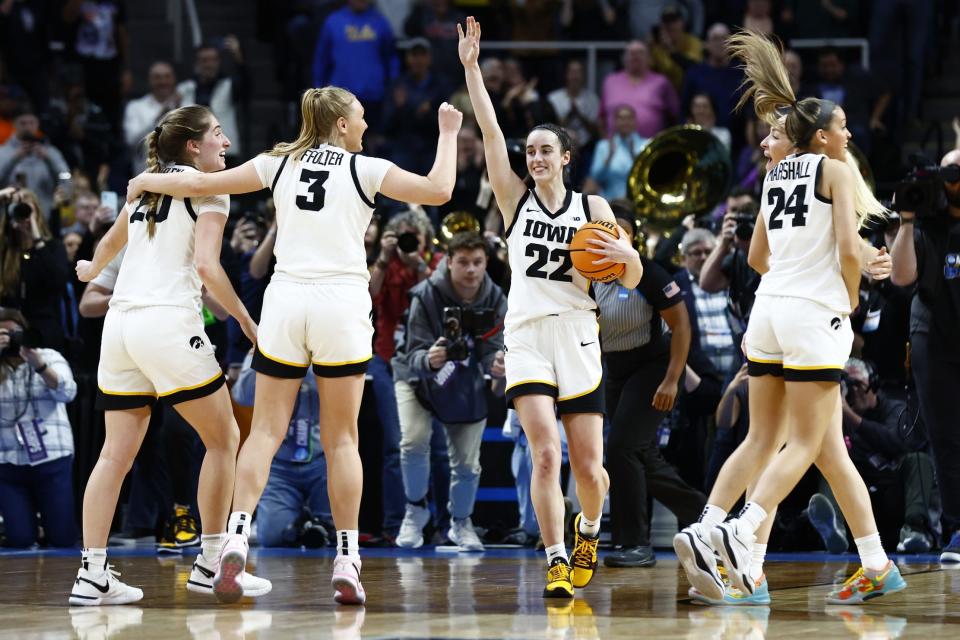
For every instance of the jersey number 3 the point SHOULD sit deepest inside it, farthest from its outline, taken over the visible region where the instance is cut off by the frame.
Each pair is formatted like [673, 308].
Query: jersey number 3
[795, 206]
[313, 199]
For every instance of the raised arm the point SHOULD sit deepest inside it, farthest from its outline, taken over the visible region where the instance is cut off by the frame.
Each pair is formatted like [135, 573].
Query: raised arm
[508, 188]
[437, 186]
[242, 179]
[108, 247]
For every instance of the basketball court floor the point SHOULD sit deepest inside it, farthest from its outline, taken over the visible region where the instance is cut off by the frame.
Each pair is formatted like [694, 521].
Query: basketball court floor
[444, 595]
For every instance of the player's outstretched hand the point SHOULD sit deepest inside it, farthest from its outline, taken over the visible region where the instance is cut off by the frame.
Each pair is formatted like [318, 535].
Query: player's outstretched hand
[469, 42]
[449, 118]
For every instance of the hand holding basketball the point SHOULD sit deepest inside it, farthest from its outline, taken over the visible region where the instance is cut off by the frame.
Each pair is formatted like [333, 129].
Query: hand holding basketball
[599, 251]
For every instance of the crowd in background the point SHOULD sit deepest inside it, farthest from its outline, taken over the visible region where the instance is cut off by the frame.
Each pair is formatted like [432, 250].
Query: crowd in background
[71, 134]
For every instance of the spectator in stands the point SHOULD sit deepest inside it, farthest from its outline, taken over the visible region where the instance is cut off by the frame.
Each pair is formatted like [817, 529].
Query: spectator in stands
[794, 65]
[523, 106]
[719, 78]
[702, 111]
[356, 51]
[35, 268]
[36, 441]
[726, 268]
[100, 42]
[826, 19]
[436, 20]
[142, 114]
[614, 155]
[651, 95]
[83, 132]
[438, 377]
[294, 509]
[397, 269]
[11, 95]
[672, 48]
[593, 20]
[899, 38]
[24, 45]
[645, 14]
[249, 233]
[732, 424]
[897, 471]
[711, 332]
[862, 95]
[758, 16]
[410, 109]
[29, 161]
[577, 107]
[469, 191]
[225, 92]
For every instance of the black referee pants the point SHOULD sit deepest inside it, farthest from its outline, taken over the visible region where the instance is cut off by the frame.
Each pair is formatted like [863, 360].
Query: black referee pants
[637, 470]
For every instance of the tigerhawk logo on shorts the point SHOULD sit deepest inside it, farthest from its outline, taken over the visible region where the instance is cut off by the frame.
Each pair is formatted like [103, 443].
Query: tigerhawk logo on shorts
[835, 323]
[196, 342]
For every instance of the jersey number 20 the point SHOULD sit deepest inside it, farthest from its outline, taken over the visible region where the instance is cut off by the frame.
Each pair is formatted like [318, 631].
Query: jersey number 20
[794, 206]
[162, 210]
[313, 199]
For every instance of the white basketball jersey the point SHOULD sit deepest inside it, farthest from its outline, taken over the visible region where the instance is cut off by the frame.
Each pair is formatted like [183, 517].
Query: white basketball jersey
[804, 261]
[324, 202]
[543, 281]
[160, 271]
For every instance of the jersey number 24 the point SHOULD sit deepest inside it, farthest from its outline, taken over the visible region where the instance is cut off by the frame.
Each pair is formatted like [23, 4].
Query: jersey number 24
[794, 206]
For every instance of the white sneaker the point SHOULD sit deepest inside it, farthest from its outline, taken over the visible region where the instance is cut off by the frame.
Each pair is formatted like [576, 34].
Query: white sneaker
[228, 580]
[91, 589]
[695, 553]
[411, 530]
[201, 580]
[346, 581]
[464, 535]
[735, 547]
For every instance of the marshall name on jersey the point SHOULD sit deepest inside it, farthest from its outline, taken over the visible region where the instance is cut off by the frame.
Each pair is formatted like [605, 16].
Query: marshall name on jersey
[804, 262]
[160, 270]
[544, 281]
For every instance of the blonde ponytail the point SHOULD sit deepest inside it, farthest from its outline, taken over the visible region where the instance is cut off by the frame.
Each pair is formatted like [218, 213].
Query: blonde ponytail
[865, 204]
[319, 111]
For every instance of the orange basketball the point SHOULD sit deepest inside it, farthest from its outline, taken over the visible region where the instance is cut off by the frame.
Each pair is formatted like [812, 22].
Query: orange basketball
[583, 259]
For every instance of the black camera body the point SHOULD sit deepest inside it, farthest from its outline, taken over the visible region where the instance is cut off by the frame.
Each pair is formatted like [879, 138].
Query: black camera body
[922, 190]
[458, 323]
[16, 210]
[746, 222]
[408, 242]
[13, 348]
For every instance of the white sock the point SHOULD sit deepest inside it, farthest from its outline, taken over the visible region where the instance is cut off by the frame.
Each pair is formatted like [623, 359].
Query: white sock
[589, 528]
[210, 547]
[872, 555]
[239, 523]
[555, 551]
[752, 516]
[756, 566]
[348, 542]
[712, 515]
[94, 560]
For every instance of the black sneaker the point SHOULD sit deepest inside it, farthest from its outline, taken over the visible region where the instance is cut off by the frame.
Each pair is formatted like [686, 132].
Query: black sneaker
[951, 552]
[631, 557]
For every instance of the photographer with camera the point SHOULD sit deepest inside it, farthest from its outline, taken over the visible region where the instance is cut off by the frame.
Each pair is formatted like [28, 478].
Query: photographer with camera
[927, 251]
[896, 469]
[453, 341]
[35, 269]
[405, 259]
[29, 161]
[36, 441]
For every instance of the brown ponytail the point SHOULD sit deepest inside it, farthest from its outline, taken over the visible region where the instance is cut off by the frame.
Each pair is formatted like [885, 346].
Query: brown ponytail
[167, 143]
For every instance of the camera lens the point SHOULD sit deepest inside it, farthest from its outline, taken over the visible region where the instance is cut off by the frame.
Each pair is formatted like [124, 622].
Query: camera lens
[407, 242]
[19, 211]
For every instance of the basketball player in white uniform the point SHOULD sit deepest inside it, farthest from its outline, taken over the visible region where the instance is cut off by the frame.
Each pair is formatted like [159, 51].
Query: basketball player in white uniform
[154, 347]
[316, 310]
[798, 339]
[551, 332]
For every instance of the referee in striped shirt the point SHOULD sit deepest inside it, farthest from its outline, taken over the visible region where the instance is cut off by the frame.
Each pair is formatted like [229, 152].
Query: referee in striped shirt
[644, 367]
